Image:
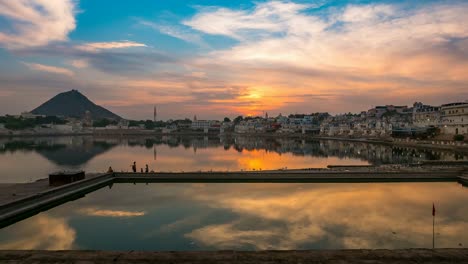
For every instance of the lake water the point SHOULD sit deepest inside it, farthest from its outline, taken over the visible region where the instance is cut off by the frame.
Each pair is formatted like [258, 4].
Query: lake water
[250, 216]
[240, 216]
[30, 159]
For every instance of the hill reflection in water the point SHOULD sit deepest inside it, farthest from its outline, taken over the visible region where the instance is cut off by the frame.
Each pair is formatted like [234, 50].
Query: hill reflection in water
[185, 153]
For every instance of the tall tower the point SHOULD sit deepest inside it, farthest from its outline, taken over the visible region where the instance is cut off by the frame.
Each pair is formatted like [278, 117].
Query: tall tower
[155, 114]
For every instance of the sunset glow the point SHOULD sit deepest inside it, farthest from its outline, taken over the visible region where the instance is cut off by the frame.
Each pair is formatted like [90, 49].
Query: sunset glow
[217, 59]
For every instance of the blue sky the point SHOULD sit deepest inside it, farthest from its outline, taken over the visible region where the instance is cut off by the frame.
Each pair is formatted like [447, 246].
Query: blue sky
[225, 58]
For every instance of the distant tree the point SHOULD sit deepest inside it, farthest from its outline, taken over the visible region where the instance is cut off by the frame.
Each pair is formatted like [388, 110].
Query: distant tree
[160, 124]
[458, 137]
[149, 124]
[50, 120]
[238, 119]
[104, 122]
[133, 123]
[226, 119]
[19, 124]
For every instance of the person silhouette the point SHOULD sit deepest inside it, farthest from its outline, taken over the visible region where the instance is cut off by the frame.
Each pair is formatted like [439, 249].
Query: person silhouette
[146, 169]
[134, 166]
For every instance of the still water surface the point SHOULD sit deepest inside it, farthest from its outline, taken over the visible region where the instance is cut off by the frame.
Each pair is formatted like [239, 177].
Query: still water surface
[30, 159]
[213, 216]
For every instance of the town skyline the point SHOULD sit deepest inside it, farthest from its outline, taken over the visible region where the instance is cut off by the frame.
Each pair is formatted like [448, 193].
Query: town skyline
[212, 59]
[264, 114]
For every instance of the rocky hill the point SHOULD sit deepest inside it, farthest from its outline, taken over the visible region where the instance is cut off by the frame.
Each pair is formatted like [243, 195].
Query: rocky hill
[73, 104]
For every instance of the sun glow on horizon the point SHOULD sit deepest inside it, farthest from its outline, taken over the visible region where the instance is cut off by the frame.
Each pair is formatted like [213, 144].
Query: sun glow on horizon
[269, 56]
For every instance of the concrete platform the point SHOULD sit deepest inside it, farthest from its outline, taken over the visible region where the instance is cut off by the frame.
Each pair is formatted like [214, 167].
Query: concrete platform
[463, 180]
[10, 192]
[38, 197]
[319, 176]
[379, 256]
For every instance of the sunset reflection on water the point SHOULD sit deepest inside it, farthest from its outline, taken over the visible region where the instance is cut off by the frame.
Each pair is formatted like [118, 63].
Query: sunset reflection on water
[195, 153]
[211, 216]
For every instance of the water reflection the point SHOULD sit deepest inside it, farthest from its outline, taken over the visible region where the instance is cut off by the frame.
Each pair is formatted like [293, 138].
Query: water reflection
[250, 217]
[171, 153]
[65, 151]
[44, 232]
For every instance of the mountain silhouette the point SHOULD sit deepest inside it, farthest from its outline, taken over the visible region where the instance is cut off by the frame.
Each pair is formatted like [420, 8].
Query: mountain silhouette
[73, 104]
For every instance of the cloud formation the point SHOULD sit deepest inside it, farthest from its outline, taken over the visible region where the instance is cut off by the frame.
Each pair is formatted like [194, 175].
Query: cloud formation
[98, 46]
[379, 35]
[175, 32]
[275, 56]
[36, 22]
[79, 63]
[47, 68]
[419, 52]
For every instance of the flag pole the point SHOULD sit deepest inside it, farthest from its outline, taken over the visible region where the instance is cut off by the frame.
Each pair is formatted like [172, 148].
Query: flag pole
[433, 233]
[433, 226]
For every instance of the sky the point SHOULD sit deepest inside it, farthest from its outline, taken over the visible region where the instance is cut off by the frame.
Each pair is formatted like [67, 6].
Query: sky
[227, 58]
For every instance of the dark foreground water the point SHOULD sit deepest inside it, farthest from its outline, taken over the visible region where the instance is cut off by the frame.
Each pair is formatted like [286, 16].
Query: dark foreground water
[212, 216]
[29, 159]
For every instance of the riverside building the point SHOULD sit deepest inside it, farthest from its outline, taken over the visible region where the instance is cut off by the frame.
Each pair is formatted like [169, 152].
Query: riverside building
[454, 118]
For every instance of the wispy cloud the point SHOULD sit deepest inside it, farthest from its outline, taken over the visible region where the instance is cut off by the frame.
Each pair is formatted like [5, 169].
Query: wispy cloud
[48, 68]
[269, 17]
[275, 56]
[178, 32]
[366, 49]
[111, 213]
[79, 63]
[112, 59]
[97, 46]
[36, 22]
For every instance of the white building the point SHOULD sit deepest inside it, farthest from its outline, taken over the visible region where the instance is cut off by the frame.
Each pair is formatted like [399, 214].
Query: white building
[201, 124]
[301, 119]
[454, 118]
[66, 128]
[169, 129]
[28, 115]
[282, 119]
[425, 115]
[245, 127]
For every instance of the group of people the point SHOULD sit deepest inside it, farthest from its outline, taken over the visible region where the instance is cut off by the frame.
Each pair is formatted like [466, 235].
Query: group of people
[134, 168]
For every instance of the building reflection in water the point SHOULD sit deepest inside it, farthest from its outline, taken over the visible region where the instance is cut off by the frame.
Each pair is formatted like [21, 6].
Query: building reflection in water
[177, 153]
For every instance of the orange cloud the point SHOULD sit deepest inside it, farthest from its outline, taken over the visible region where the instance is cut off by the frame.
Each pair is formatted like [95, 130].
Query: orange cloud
[110, 213]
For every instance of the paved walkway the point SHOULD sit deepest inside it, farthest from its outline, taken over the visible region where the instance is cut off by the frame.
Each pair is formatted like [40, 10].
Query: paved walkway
[226, 257]
[10, 192]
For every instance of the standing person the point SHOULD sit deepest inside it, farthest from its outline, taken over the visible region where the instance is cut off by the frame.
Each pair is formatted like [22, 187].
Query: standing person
[146, 169]
[134, 166]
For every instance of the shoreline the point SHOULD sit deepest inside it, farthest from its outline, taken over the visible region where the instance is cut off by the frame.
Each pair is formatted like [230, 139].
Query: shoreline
[344, 256]
[399, 142]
